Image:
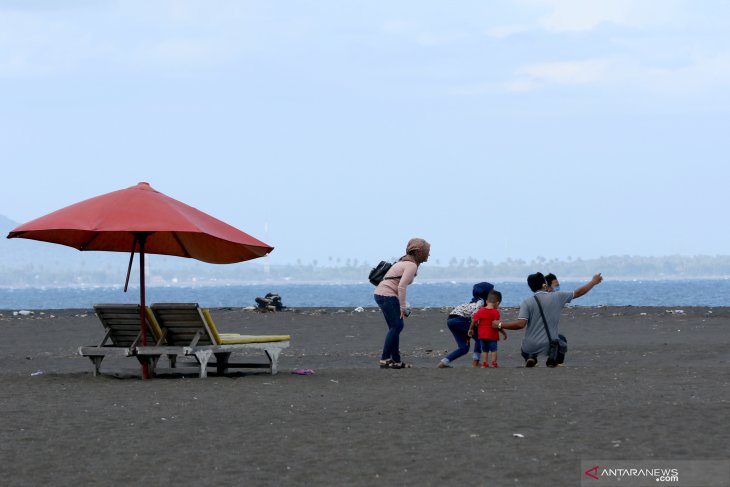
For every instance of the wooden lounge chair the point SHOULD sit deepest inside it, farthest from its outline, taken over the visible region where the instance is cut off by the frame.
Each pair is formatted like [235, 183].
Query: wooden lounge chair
[189, 330]
[123, 334]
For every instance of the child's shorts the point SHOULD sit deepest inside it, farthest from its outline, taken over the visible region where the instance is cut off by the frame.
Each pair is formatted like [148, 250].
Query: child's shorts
[488, 345]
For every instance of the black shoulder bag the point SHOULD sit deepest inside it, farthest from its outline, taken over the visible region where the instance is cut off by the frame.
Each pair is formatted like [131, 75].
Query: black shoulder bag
[554, 350]
[377, 273]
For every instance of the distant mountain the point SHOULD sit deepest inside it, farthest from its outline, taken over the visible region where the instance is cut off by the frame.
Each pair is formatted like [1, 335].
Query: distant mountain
[20, 254]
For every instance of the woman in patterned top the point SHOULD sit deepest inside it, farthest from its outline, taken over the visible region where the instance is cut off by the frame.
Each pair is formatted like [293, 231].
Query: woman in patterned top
[459, 321]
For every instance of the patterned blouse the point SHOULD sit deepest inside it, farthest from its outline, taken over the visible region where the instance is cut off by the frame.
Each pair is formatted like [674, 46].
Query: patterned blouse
[467, 309]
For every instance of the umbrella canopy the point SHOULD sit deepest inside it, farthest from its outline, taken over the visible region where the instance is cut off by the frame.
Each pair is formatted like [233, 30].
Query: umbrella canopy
[113, 222]
[141, 219]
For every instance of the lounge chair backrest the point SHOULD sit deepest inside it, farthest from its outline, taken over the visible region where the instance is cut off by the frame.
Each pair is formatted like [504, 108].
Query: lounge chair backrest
[183, 324]
[122, 322]
[211, 326]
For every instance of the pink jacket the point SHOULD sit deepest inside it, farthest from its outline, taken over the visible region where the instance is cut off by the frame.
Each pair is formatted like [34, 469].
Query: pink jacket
[406, 270]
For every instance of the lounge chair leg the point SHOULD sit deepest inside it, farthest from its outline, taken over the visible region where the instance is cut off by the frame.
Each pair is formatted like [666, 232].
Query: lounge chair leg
[203, 356]
[150, 360]
[153, 364]
[221, 362]
[97, 364]
[273, 356]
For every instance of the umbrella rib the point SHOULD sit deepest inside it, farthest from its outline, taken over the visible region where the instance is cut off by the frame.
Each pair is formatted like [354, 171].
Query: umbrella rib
[179, 242]
[89, 241]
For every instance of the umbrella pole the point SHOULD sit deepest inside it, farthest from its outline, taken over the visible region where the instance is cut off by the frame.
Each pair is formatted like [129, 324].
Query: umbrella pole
[131, 259]
[142, 306]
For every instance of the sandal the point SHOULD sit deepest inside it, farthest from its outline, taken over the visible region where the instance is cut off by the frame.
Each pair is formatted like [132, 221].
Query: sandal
[385, 364]
[399, 365]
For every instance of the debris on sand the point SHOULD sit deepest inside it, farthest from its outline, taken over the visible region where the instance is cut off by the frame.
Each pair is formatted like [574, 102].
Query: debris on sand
[270, 302]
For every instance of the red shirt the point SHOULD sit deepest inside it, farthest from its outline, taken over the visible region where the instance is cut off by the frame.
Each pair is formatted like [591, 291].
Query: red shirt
[484, 318]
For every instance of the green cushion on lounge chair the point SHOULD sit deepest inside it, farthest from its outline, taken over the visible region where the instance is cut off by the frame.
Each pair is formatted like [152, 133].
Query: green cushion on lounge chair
[234, 338]
[189, 330]
[156, 330]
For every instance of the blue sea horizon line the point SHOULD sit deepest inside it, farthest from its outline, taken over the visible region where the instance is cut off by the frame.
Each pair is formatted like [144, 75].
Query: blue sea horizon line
[285, 282]
[669, 293]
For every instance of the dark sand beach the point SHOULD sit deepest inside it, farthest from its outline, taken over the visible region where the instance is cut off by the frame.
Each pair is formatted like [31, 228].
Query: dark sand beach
[640, 383]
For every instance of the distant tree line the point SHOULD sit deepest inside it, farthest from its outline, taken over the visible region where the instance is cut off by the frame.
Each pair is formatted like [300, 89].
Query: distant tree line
[180, 271]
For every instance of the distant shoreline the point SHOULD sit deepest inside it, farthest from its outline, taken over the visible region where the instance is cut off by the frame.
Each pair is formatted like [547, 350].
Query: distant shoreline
[285, 282]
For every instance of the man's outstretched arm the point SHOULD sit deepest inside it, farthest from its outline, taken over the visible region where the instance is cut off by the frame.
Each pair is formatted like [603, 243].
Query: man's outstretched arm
[583, 290]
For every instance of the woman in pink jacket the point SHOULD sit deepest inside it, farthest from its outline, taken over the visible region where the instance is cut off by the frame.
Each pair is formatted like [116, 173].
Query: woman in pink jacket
[391, 298]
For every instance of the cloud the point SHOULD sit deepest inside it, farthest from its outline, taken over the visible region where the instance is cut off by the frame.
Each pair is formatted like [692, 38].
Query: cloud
[399, 26]
[421, 35]
[19, 67]
[34, 45]
[195, 14]
[657, 47]
[581, 15]
[500, 32]
[586, 15]
[521, 85]
[45, 6]
[694, 78]
[185, 53]
[566, 73]
[473, 90]
[40, 43]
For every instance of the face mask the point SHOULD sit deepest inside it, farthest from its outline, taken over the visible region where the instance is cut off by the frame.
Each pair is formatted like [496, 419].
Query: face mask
[557, 288]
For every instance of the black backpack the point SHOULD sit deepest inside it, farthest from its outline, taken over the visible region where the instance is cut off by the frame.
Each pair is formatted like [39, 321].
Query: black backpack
[377, 273]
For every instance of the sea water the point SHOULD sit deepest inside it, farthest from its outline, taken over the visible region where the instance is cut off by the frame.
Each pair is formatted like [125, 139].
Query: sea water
[675, 293]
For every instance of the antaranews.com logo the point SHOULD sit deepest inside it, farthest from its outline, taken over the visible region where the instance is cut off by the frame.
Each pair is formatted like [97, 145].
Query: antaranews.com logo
[639, 473]
[657, 474]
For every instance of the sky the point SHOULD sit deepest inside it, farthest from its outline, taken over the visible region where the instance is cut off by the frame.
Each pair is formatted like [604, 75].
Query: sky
[330, 129]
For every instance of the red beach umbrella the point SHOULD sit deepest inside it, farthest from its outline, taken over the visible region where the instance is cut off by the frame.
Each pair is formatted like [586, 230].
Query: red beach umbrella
[141, 219]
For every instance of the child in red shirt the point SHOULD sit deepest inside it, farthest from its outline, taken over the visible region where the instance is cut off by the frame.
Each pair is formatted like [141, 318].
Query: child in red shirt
[487, 335]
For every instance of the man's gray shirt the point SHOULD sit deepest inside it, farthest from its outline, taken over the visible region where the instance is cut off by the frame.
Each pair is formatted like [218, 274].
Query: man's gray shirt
[536, 340]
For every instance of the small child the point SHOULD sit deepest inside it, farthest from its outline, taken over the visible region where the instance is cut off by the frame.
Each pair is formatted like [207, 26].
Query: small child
[487, 335]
